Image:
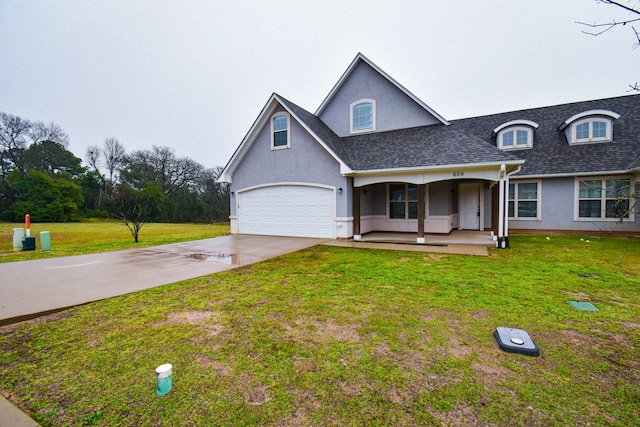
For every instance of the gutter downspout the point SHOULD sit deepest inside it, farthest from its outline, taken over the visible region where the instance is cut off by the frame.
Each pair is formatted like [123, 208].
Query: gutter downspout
[504, 242]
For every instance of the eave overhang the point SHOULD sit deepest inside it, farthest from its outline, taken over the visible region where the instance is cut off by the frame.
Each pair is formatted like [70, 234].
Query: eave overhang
[493, 171]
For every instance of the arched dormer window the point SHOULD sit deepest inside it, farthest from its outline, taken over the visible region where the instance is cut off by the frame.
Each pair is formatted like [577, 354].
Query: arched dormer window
[363, 116]
[515, 134]
[590, 126]
[280, 131]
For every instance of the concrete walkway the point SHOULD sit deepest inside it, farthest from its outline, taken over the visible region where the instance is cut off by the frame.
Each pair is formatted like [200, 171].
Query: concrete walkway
[32, 288]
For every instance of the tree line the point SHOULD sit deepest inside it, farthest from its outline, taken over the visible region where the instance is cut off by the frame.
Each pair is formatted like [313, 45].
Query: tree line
[39, 176]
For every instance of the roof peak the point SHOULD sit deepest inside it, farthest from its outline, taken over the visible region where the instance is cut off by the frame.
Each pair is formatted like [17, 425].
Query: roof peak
[360, 57]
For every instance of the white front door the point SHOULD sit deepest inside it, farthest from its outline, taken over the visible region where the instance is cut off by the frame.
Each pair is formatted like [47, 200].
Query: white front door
[469, 207]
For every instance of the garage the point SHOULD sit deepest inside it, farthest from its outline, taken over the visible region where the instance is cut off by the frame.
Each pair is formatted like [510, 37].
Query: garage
[287, 210]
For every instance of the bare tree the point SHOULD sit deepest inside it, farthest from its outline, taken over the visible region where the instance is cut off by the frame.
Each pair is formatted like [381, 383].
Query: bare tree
[14, 139]
[39, 132]
[114, 155]
[92, 157]
[633, 13]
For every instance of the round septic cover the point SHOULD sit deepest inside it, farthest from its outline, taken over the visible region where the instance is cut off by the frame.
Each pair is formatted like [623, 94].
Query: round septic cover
[517, 341]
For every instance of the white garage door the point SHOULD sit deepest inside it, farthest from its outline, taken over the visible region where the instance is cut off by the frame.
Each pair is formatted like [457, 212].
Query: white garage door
[287, 210]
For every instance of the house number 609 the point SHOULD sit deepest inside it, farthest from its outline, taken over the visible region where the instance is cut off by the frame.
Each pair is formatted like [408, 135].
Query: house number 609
[458, 174]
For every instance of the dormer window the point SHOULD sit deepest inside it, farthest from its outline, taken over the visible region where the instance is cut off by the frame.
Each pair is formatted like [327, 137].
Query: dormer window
[515, 135]
[592, 130]
[590, 126]
[363, 116]
[280, 131]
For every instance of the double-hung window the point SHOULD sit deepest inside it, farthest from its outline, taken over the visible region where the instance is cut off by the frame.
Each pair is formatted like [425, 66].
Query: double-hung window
[403, 201]
[604, 199]
[363, 116]
[524, 200]
[280, 131]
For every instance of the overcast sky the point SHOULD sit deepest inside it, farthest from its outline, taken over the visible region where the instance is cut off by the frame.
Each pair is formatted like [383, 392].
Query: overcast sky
[194, 75]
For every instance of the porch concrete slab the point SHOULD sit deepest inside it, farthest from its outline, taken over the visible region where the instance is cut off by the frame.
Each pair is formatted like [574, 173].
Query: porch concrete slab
[457, 249]
[455, 237]
[31, 288]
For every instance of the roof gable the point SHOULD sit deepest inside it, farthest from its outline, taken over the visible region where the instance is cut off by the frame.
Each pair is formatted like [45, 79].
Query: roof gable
[359, 60]
[320, 132]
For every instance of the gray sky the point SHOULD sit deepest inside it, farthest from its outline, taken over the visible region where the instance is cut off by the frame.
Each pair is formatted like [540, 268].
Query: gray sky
[194, 75]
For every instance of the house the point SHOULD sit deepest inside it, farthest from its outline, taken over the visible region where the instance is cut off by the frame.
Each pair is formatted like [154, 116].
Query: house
[374, 157]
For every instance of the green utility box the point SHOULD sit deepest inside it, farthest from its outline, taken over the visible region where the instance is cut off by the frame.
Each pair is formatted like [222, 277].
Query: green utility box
[45, 241]
[28, 243]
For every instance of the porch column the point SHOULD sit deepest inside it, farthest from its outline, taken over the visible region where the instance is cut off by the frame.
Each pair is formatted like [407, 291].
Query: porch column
[506, 213]
[356, 214]
[503, 219]
[421, 215]
[500, 212]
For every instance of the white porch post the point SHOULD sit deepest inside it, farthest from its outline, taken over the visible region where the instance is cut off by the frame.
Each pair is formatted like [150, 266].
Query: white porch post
[506, 213]
[502, 201]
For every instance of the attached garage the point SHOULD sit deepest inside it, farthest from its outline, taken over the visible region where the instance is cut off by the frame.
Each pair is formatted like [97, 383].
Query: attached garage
[287, 210]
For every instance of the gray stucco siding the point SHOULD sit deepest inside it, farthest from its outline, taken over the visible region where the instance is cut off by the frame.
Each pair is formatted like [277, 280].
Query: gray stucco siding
[557, 200]
[441, 198]
[306, 161]
[394, 110]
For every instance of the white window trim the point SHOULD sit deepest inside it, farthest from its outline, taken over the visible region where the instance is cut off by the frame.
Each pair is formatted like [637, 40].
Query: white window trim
[529, 123]
[373, 116]
[515, 129]
[538, 216]
[590, 113]
[281, 147]
[576, 199]
[574, 130]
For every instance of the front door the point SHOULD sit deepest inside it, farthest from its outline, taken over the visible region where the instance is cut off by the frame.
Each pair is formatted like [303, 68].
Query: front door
[469, 207]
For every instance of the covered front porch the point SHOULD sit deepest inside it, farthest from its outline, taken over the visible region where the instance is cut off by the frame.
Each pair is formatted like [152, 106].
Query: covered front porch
[438, 206]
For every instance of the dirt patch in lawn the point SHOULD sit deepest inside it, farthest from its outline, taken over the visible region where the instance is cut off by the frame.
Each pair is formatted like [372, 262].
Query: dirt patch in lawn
[580, 296]
[257, 396]
[460, 416]
[203, 318]
[189, 317]
[322, 331]
[217, 368]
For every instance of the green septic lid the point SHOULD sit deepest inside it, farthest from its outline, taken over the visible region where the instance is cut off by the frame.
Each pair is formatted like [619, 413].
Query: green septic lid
[584, 306]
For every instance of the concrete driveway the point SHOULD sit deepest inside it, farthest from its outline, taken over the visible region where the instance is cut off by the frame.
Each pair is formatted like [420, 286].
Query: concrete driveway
[30, 288]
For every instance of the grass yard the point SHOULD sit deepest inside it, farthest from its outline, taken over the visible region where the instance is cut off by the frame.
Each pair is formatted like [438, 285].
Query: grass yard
[341, 336]
[101, 236]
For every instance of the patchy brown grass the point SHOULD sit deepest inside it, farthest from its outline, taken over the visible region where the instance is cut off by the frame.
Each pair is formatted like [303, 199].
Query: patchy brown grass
[334, 336]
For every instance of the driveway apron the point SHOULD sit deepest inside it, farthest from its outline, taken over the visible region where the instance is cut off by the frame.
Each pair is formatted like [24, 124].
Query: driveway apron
[30, 288]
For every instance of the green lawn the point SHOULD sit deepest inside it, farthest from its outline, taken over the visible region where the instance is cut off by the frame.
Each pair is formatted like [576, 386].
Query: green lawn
[341, 336]
[100, 236]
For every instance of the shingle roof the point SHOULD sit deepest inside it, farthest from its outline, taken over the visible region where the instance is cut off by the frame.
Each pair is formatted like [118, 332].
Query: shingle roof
[470, 141]
[424, 146]
[427, 146]
[319, 128]
[552, 154]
